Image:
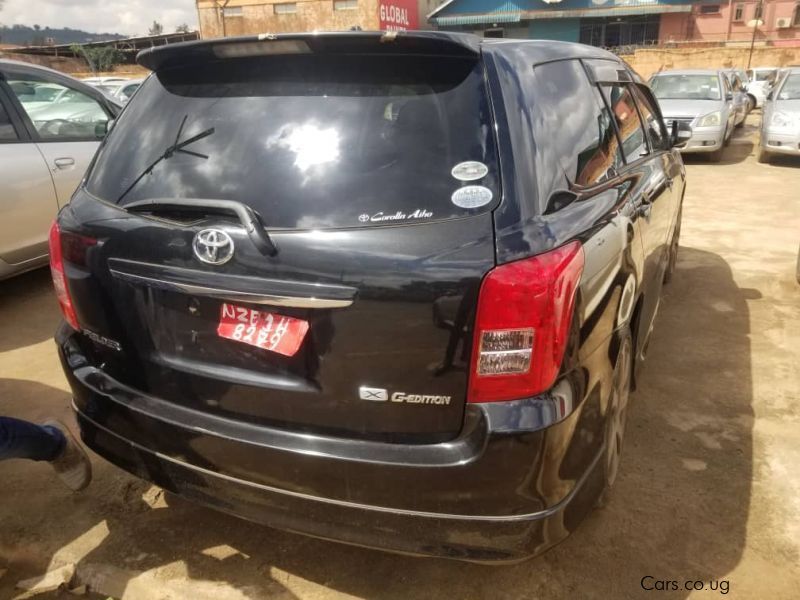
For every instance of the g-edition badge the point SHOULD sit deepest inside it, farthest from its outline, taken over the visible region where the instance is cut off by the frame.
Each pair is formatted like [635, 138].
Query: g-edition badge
[382, 395]
[213, 246]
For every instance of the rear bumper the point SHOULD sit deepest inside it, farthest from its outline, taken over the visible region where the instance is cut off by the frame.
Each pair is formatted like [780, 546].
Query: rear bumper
[514, 483]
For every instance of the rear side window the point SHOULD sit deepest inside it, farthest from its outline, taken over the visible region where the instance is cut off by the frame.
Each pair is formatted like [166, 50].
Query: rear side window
[311, 141]
[574, 124]
[653, 123]
[620, 99]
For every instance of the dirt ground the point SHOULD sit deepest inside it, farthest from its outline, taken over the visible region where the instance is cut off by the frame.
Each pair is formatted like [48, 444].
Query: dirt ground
[709, 487]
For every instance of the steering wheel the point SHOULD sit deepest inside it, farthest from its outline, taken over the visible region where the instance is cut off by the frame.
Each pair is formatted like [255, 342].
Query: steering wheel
[59, 127]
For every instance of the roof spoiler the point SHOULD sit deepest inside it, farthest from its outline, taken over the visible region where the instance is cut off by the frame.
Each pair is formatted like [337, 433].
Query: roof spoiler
[349, 42]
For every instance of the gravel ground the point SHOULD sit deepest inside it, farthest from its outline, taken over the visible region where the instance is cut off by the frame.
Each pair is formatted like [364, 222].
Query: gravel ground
[709, 487]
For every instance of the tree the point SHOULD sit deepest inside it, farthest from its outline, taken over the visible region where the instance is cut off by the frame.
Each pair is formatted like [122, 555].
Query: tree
[99, 58]
[156, 28]
[184, 28]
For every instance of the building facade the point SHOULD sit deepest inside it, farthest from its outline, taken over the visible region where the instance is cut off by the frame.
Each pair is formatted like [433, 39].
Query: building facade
[614, 23]
[225, 18]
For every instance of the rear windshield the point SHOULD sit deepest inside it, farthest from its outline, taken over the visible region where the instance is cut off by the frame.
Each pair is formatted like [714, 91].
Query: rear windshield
[310, 141]
[686, 87]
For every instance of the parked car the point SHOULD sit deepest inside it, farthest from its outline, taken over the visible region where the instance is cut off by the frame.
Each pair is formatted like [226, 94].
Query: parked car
[761, 80]
[50, 127]
[703, 99]
[741, 101]
[124, 91]
[94, 81]
[386, 289]
[780, 121]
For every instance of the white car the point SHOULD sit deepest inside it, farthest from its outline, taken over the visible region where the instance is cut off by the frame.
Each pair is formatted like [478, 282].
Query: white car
[50, 128]
[761, 80]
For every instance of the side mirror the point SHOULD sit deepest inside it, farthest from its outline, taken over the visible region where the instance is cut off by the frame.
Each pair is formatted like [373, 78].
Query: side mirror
[102, 128]
[681, 134]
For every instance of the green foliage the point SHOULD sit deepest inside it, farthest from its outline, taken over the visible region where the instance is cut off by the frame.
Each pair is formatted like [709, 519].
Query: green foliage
[184, 28]
[99, 58]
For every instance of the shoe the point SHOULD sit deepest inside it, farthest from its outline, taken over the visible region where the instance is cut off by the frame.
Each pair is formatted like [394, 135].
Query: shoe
[72, 466]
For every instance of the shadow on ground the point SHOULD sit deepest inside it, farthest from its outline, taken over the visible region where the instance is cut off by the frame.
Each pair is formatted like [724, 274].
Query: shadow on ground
[27, 302]
[678, 512]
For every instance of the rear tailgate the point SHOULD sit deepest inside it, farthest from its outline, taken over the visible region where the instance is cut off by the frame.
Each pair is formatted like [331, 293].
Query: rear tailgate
[375, 177]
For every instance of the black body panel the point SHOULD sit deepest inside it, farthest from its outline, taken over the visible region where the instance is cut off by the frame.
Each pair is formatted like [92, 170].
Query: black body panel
[288, 442]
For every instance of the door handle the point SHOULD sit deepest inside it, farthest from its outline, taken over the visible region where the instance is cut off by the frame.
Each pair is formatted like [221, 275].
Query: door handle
[64, 163]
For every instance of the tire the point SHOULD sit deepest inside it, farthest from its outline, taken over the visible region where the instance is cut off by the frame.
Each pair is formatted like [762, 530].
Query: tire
[762, 156]
[751, 102]
[616, 417]
[674, 245]
[738, 125]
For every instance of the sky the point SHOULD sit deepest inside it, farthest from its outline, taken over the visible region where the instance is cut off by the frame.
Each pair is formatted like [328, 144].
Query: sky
[130, 17]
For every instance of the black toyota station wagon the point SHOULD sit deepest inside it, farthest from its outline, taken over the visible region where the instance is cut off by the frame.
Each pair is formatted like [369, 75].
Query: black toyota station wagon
[383, 288]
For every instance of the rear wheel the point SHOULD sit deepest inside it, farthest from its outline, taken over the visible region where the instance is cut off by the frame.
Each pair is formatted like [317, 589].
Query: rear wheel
[617, 417]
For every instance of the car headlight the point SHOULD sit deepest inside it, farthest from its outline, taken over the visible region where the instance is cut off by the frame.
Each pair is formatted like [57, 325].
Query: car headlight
[781, 120]
[710, 120]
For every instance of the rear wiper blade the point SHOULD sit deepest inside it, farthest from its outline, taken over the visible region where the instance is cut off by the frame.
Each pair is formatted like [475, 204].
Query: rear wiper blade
[249, 218]
[177, 147]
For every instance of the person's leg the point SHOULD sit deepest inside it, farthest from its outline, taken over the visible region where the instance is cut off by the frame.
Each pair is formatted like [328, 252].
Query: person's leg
[21, 439]
[52, 442]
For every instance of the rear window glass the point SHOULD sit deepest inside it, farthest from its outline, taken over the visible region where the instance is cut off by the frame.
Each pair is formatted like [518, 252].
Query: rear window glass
[310, 141]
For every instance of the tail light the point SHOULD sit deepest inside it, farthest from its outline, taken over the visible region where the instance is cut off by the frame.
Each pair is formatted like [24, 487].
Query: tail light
[70, 247]
[522, 325]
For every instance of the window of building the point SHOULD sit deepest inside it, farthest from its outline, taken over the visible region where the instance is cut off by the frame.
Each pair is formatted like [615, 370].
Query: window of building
[285, 8]
[759, 11]
[709, 9]
[345, 4]
[493, 33]
[796, 21]
[232, 11]
[572, 117]
[738, 13]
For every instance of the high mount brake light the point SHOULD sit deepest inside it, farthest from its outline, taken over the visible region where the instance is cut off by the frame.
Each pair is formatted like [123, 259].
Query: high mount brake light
[522, 325]
[71, 247]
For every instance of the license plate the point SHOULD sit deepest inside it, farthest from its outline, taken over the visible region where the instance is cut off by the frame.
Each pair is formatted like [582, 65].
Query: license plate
[276, 333]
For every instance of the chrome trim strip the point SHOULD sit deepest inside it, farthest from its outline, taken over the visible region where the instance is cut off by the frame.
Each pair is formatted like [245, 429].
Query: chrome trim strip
[233, 295]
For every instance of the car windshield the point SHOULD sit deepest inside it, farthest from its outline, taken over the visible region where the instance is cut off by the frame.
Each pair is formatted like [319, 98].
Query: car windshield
[311, 141]
[686, 87]
[790, 90]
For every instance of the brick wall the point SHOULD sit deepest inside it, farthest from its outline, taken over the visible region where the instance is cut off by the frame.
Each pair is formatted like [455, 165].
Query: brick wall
[647, 61]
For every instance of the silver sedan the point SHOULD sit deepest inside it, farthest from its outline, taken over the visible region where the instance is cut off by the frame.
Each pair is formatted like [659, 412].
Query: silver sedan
[50, 128]
[702, 98]
[780, 120]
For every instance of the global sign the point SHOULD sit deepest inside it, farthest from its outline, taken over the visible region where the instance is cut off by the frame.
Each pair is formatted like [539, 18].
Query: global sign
[398, 15]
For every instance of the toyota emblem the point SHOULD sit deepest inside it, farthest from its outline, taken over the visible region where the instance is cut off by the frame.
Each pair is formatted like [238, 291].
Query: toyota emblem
[213, 246]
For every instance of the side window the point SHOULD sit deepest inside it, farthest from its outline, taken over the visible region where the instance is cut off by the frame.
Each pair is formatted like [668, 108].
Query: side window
[7, 133]
[726, 86]
[573, 120]
[659, 140]
[58, 112]
[623, 107]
